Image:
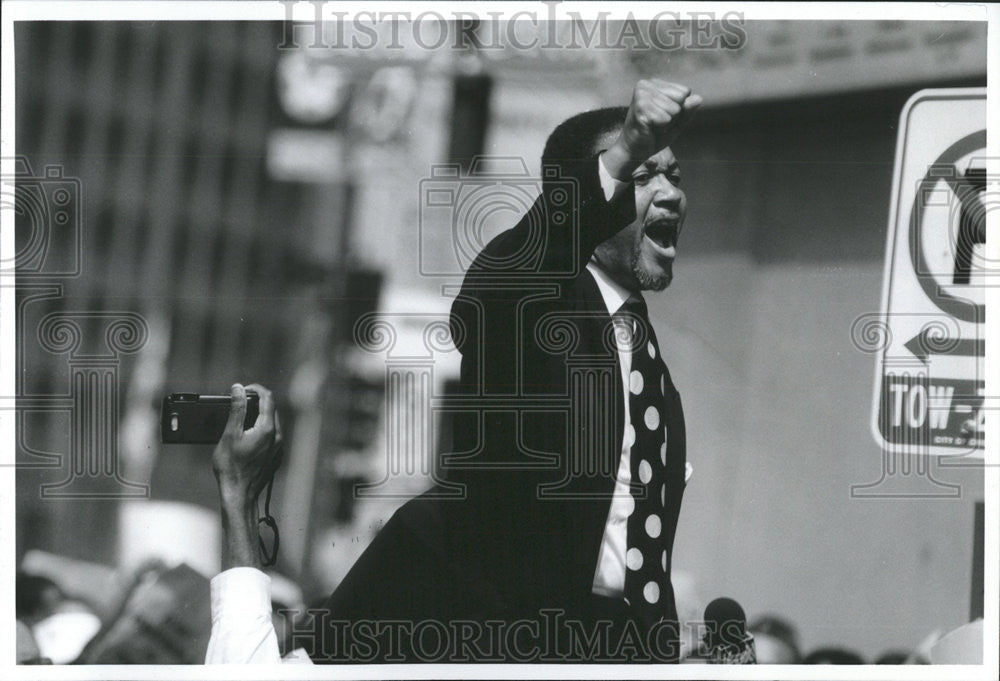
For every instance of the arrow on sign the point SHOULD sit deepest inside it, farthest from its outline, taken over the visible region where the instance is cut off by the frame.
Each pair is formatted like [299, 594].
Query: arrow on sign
[924, 344]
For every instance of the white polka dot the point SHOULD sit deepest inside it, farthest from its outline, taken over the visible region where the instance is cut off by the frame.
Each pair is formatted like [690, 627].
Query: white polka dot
[628, 505]
[663, 385]
[663, 453]
[633, 559]
[653, 526]
[630, 435]
[663, 495]
[663, 561]
[652, 418]
[645, 471]
[650, 349]
[651, 591]
[635, 382]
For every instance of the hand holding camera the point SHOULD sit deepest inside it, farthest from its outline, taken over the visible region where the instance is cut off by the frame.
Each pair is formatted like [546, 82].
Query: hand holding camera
[245, 460]
[246, 431]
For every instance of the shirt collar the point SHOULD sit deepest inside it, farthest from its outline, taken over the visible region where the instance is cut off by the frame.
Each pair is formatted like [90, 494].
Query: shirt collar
[613, 293]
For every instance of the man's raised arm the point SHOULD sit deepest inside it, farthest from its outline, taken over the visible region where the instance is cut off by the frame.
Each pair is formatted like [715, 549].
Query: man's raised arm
[243, 463]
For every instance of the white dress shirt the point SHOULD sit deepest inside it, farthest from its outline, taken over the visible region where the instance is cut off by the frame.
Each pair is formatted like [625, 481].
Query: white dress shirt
[242, 631]
[609, 576]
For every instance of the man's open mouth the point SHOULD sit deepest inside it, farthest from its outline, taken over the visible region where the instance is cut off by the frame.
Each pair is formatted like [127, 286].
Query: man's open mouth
[663, 233]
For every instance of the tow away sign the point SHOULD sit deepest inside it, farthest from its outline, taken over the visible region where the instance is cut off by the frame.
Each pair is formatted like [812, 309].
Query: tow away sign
[930, 339]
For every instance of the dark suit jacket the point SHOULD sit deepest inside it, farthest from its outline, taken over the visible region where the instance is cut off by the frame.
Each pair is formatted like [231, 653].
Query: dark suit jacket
[538, 431]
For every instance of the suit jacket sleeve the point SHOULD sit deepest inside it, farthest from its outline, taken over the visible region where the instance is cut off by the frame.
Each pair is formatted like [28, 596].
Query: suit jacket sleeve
[556, 237]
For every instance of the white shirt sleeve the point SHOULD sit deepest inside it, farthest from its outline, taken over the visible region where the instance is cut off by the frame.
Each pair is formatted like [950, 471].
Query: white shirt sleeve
[242, 631]
[610, 185]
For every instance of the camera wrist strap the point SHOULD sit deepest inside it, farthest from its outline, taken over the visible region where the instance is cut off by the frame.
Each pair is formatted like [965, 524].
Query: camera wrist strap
[269, 558]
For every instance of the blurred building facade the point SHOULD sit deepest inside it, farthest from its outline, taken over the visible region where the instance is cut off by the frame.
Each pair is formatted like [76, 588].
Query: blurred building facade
[165, 127]
[252, 203]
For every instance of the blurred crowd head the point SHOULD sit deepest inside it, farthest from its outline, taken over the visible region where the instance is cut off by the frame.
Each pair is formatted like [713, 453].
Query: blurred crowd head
[52, 626]
[833, 655]
[776, 640]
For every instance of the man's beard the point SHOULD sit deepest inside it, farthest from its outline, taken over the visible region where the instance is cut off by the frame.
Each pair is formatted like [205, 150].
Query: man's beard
[646, 281]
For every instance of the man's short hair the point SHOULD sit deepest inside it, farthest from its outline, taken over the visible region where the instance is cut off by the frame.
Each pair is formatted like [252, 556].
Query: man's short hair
[577, 138]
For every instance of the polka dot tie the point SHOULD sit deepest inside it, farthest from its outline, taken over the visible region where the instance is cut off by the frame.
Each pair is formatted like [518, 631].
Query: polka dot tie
[645, 560]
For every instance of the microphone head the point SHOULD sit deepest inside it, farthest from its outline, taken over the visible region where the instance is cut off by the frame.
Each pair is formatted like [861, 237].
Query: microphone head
[725, 623]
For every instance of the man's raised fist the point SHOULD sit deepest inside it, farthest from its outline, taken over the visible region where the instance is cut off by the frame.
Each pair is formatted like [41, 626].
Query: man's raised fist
[658, 112]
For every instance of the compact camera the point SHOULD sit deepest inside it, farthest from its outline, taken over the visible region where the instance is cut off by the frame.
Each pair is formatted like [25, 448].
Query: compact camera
[190, 418]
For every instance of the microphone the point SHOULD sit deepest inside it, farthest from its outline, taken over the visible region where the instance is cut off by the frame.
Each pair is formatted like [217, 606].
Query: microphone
[726, 639]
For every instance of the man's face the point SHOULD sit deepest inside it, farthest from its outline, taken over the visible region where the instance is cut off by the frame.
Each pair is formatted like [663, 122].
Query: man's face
[641, 256]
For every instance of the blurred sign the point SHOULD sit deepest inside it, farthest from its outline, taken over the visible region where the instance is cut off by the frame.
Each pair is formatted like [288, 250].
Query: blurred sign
[306, 155]
[930, 372]
[311, 92]
[794, 58]
[324, 109]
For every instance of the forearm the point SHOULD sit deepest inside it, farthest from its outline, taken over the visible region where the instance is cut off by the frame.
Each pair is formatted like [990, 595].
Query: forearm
[240, 546]
[620, 163]
[243, 462]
